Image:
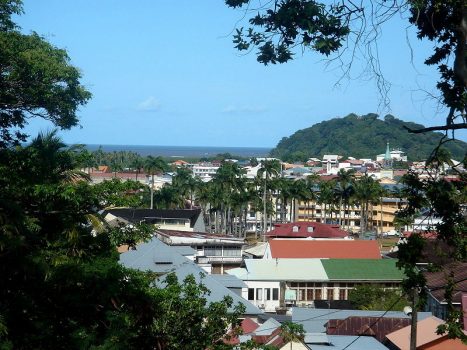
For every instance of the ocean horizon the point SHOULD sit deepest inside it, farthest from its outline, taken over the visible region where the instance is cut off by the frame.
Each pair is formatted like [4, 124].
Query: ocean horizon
[184, 151]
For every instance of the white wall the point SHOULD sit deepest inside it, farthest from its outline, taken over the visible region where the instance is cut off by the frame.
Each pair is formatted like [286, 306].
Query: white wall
[269, 305]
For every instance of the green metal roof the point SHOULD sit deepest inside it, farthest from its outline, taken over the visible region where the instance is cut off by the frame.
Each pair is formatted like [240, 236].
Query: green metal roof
[362, 270]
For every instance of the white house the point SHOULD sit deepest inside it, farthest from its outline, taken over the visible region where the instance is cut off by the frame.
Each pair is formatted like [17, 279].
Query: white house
[205, 171]
[277, 283]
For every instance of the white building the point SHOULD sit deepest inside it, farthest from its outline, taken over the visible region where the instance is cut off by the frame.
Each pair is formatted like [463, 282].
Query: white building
[214, 253]
[205, 171]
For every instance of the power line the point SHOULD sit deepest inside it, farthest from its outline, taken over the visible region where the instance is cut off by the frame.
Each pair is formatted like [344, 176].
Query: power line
[376, 321]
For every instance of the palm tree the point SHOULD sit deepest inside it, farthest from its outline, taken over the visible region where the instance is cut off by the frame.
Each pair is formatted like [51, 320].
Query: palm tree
[231, 181]
[186, 184]
[312, 182]
[292, 332]
[344, 189]
[137, 164]
[367, 192]
[268, 169]
[326, 197]
[153, 166]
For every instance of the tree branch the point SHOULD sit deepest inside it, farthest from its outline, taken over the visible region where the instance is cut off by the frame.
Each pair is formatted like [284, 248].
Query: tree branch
[435, 128]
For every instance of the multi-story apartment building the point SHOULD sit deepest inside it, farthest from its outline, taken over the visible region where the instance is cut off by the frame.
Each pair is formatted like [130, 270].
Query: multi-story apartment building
[205, 171]
[381, 215]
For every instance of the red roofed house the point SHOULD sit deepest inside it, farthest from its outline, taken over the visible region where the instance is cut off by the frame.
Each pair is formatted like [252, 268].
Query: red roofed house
[321, 249]
[305, 229]
[427, 338]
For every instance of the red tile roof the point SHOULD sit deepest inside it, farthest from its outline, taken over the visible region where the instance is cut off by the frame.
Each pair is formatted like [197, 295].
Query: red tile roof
[332, 249]
[247, 326]
[306, 229]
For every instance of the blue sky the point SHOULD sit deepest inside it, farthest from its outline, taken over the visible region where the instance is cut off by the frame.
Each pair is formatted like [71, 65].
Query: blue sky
[165, 72]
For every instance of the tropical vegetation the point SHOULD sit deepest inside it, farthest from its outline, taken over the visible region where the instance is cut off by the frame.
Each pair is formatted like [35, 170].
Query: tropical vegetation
[362, 137]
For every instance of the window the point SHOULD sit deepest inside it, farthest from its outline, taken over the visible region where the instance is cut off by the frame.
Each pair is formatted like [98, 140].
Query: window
[251, 294]
[301, 294]
[309, 294]
[275, 294]
[342, 294]
[317, 294]
[268, 293]
[213, 251]
[295, 229]
[330, 293]
[259, 294]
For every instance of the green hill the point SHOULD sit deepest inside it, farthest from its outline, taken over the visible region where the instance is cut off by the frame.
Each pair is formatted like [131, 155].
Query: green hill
[362, 137]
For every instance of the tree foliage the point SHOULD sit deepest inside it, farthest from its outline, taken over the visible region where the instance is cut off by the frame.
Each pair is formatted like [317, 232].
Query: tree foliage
[36, 80]
[62, 285]
[362, 137]
[118, 193]
[369, 297]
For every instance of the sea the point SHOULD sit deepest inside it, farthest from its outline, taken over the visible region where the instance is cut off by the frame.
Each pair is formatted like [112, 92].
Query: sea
[185, 151]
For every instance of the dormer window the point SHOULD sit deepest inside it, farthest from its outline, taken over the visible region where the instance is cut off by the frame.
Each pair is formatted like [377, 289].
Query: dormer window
[309, 229]
[295, 229]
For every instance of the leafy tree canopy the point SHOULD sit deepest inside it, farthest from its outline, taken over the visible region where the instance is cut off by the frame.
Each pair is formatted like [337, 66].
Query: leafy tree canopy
[363, 137]
[36, 80]
[368, 297]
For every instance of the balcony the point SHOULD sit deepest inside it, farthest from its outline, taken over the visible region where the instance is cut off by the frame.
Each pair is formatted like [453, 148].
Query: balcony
[218, 259]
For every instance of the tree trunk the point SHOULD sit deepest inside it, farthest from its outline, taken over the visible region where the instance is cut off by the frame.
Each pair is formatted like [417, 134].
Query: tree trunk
[413, 323]
[152, 192]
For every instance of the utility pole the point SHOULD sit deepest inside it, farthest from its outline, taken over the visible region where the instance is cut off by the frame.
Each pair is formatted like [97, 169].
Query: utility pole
[413, 325]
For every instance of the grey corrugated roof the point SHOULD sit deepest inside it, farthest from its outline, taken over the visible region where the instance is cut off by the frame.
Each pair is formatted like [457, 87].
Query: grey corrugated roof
[314, 320]
[158, 257]
[316, 338]
[153, 256]
[267, 327]
[229, 281]
[184, 250]
[340, 342]
[258, 249]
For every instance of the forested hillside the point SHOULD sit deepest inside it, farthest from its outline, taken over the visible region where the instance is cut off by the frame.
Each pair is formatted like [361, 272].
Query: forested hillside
[362, 137]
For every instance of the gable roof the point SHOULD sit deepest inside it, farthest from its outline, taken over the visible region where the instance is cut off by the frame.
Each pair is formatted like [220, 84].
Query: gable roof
[160, 258]
[436, 282]
[347, 342]
[281, 269]
[375, 270]
[150, 215]
[338, 249]
[426, 333]
[305, 229]
[362, 269]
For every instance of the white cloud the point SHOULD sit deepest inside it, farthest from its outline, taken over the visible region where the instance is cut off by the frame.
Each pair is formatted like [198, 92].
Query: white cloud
[243, 109]
[150, 104]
